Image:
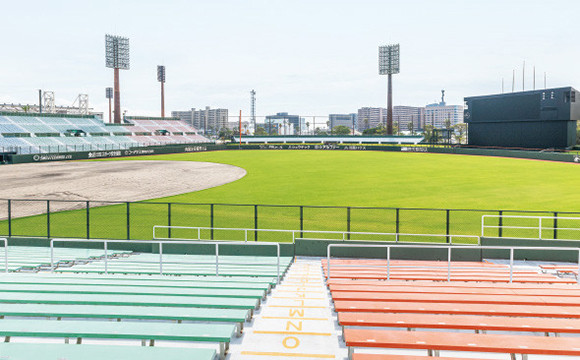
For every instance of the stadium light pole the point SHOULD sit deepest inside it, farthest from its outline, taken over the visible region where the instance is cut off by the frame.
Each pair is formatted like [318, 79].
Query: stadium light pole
[109, 95]
[117, 57]
[389, 65]
[161, 79]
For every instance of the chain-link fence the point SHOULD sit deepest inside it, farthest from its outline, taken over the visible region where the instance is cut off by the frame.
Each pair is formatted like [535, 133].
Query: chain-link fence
[135, 220]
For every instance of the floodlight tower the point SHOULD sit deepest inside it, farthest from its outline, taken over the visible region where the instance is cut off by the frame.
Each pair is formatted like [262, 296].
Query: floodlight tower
[253, 109]
[117, 57]
[161, 79]
[109, 95]
[389, 65]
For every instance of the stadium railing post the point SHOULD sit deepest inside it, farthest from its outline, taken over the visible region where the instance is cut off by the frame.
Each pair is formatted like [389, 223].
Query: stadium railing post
[348, 222]
[301, 221]
[256, 222]
[556, 226]
[48, 218]
[128, 221]
[169, 220]
[88, 217]
[447, 225]
[9, 218]
[211, 220]
[500, 225]
[397, 210]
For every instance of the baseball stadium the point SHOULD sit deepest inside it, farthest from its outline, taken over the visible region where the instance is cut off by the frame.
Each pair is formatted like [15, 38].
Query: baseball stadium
[150, 238]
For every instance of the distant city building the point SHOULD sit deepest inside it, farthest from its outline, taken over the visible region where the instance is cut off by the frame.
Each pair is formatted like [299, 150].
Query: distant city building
[404, 115]
[370, 117]
[438, 113]
[206, 120]
[348, 120]
[285, 124]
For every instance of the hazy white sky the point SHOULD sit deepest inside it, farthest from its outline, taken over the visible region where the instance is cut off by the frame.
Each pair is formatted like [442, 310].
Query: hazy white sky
[307, 57]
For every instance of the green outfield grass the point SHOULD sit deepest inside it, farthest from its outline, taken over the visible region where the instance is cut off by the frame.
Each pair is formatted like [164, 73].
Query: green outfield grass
[341, 178]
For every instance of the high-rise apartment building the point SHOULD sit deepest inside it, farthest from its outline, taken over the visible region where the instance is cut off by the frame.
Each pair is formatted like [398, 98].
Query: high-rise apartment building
[405, 115]
[371, 117]
[208, 121]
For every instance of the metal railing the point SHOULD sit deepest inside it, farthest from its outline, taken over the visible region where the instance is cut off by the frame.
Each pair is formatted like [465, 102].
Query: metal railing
[541, 228]
[343, 235]
[160, 243]
[449, 250]
[133, 220]
[5, 241]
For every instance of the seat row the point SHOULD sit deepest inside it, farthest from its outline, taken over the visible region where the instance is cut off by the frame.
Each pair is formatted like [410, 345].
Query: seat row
[148, 309]
[434, 315]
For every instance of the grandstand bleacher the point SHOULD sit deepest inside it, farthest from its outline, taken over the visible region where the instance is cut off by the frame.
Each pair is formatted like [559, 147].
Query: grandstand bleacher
[435, 313]
[43, 133]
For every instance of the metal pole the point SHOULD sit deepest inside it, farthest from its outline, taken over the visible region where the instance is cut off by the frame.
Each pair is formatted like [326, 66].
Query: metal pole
[88, 221]
[6, 255]
[256, 222]
[128, 222]
[447, 224]
[348, 222]
[117, 95]
[168, 219]
[500, 229]
[162, 99]
[301, 221]
[397, 225]
[47, 218]
[9, 218]
[556, 227]
[540, 228]
[389, 105]
[211, 220]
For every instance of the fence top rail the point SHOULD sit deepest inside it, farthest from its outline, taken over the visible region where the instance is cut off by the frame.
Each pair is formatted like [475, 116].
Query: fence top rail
[455, 246]
[302, 206]
[531, 217]
[312, 231]
[194, 242]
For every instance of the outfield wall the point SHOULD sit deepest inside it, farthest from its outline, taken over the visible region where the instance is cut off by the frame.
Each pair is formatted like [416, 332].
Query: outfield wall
[551, 156]
[181, 148]
[103, 154]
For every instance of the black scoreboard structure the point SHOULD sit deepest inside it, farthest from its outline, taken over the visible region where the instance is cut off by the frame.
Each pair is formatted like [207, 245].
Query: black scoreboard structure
[539, 119]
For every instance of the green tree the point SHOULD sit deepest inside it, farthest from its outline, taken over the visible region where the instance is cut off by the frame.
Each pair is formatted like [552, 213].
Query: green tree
[410, 127]
[428, 134]
[319, 131]
[448, 123]
[225, 134]
[460, 131]
[260, 131]
[341, 130]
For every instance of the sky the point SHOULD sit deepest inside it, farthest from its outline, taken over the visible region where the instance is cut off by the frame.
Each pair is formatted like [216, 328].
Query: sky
[306, 57]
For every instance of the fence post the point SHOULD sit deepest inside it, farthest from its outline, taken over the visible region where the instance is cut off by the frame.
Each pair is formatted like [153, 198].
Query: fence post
[88, 222]
[9, 217]
[447, 225]
[397, 221]
[500, 227]
[555, 225]
[348, 222]
[256, 222]
[301, 221]
[211, 220]
[48, 218]
[169, 220]
[128, 221]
